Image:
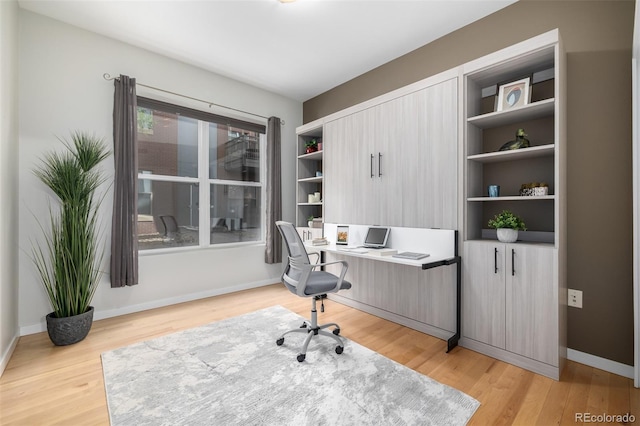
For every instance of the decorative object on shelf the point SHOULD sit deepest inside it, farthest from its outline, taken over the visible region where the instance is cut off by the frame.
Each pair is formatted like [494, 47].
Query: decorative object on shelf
[494, 191]
[534, 189]
[319, 144]
[507, 226]
[342, 235]
[69, 258]
[519, 142]
[319, 173]
[542, 85]
[311, 146]
[513, 95]
[310, 221]
[317, 222]
[488, 101]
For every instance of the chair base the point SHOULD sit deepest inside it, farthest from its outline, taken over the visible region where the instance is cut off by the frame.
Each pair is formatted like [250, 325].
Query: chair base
[313, 329]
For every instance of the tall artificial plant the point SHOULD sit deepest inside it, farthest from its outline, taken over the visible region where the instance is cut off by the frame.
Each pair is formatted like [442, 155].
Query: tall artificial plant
[69, 257]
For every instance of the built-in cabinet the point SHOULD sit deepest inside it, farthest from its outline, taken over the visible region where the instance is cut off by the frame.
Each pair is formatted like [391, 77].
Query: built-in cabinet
[423, 156]
[508, 295]
[514, 295]
[394, 163]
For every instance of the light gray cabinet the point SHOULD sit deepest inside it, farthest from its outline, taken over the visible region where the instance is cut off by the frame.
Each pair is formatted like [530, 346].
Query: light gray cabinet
[509, 300]
[422, 299]
[395, 163]
[514, 295]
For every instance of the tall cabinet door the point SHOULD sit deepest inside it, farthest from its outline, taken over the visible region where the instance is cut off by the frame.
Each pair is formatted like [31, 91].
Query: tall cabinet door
[532, 305]
[483, 293]
[347, 170]
[434, 177]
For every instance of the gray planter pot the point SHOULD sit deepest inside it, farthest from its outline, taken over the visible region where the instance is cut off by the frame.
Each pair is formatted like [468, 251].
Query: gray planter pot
[69, 330]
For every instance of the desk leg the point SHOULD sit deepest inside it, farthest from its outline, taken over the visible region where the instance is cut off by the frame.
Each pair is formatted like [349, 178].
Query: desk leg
[453, 340]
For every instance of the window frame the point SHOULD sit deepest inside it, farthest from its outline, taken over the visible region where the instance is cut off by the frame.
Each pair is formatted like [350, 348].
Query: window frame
[203, 181]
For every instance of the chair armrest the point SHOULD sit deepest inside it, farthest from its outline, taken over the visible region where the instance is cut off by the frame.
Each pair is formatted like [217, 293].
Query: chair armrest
[316, 254]
[343, 272]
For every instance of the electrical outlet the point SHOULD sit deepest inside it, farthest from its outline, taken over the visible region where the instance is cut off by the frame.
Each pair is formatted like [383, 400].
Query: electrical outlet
[575, 298]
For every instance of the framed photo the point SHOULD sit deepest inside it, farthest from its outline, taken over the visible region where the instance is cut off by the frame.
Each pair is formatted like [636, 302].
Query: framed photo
[343, 235]
[513, 95]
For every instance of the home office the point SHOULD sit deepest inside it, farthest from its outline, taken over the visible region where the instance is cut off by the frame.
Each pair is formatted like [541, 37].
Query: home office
[596, 35]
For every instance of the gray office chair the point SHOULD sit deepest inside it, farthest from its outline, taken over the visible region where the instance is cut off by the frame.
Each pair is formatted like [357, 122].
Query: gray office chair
[301, 278]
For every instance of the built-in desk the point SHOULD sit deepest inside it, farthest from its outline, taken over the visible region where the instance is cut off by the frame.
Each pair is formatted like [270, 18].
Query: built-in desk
[440, 244]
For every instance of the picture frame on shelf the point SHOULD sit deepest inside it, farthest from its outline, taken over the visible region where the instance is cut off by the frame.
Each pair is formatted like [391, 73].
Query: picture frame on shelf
[514, 94]
[342, 235]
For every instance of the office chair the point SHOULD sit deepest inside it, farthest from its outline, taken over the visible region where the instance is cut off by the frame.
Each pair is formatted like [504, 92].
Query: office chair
[301, 278]
[170, 227]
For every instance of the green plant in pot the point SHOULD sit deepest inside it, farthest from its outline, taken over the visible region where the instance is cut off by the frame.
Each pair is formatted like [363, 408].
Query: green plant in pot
[507, 226]
[69, 256]
[311, 146]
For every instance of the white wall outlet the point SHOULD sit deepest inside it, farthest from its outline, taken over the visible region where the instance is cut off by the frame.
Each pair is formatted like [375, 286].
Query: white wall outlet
[575, 298]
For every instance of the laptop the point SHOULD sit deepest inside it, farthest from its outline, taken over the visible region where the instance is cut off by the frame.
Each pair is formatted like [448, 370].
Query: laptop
[377, 237]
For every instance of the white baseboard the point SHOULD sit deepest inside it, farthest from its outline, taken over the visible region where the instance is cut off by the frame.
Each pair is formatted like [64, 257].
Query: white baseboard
[6, 356]
[601, 363]
[103, 314]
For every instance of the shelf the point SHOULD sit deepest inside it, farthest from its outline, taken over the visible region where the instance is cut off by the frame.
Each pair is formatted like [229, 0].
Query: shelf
[513, 198]
[532, 111]
[315, 179]
[515, 154]
[310, 204]
[312, 156]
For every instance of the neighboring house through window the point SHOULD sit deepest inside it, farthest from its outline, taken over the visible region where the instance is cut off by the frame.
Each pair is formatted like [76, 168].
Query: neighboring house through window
[188, 159]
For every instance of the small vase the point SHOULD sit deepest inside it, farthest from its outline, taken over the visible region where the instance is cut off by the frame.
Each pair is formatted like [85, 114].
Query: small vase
[507, 235]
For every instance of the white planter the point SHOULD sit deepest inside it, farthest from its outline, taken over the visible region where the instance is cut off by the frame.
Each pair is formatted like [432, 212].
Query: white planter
[507, 235]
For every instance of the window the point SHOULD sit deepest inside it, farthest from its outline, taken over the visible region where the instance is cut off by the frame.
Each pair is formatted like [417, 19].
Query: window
[188, 159]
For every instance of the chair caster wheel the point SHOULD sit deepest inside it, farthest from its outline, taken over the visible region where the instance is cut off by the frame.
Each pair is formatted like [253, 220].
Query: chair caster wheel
[280, 341]
[301, 357]
[304, 325]
[336, 331]
[339, 349]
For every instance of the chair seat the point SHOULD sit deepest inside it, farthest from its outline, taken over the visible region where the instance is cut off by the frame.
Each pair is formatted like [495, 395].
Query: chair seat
[320, 282]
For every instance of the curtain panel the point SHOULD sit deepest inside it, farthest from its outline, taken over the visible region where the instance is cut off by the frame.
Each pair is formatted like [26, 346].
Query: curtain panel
[273, 251]
[124, 231]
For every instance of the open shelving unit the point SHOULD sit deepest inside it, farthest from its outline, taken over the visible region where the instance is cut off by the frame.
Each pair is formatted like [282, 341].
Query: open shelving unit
[485, 165]
[309, 180]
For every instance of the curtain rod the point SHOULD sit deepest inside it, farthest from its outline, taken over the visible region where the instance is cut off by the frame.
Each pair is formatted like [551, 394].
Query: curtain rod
[108, 77]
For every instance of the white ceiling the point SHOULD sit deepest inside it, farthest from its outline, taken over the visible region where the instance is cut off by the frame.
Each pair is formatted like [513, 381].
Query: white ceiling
[298, 50]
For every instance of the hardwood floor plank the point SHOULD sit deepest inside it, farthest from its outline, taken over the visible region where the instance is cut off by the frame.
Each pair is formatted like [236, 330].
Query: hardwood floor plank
[48, 385]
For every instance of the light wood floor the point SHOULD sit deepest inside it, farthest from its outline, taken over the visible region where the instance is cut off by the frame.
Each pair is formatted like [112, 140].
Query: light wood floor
[46, 385]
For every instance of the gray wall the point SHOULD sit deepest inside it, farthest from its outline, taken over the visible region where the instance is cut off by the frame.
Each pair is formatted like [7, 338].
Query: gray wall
[8, 178]
[597, 37]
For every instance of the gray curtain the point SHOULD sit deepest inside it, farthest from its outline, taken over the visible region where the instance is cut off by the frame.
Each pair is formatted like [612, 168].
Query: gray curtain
[124, 231]
[273, 252]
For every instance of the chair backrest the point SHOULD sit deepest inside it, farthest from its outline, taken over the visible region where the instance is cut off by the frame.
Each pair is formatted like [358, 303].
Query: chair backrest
[293, 242]
[295, 275]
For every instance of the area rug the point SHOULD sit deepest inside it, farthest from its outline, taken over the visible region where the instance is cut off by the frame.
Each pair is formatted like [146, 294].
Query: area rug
[232, 372]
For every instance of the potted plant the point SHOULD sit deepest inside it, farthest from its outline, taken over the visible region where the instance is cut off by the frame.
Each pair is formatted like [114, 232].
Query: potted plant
[69, 256]
[311, 146]
[507, 226]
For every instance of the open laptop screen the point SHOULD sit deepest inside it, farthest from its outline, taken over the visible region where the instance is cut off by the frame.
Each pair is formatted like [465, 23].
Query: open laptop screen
[376, 237]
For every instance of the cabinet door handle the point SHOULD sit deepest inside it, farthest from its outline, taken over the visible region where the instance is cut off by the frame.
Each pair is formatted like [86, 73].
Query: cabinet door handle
[371, 164]
[513, 265]
[495, 260]
[379, 164]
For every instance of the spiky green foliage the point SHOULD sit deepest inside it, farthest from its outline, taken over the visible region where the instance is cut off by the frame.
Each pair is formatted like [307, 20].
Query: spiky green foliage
[69, 259]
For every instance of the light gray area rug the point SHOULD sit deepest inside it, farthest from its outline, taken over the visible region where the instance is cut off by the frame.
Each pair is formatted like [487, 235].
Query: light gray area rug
[232, 372]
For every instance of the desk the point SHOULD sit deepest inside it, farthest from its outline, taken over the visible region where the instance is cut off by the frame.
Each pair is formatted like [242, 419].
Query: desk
[440, 244]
